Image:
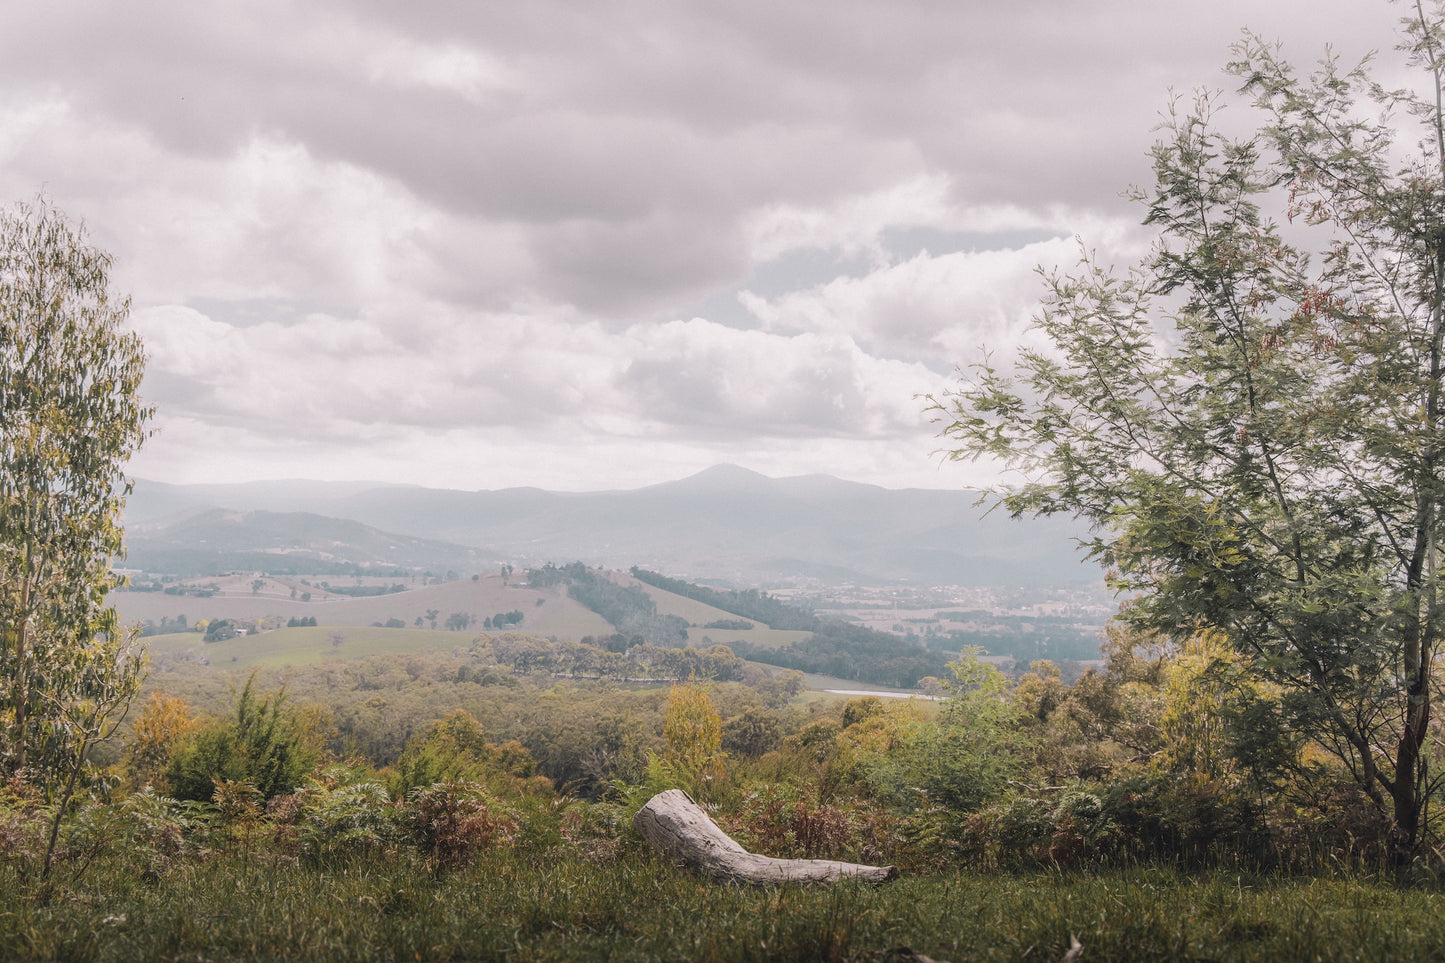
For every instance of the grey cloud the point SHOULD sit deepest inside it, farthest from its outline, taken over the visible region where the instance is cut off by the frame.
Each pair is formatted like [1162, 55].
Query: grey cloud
[637, 267]
[695, 381]
[647, 122]
[690, 399]
[610, 177]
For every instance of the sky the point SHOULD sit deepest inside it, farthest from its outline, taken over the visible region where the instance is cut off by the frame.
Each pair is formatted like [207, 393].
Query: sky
[600, 245]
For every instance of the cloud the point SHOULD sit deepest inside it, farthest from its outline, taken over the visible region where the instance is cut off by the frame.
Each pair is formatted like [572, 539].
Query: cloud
[700, 377]
[937, 308]
[474, 241]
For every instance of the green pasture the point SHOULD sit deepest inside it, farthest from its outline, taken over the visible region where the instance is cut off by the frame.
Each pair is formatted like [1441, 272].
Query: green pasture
[692, 611]
[761, 636]
[817, 687]
[279, 648]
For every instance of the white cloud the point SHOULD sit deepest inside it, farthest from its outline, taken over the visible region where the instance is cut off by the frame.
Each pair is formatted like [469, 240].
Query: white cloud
[447, 243]
[451, 67]
[938, 307]
[701, 377]
[851, 224]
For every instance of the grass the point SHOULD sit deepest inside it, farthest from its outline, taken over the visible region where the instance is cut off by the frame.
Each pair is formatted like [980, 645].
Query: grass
[558, 614]
[818, 686]
[562, 905]
[762, 636]
[306, 646]
[699, 614]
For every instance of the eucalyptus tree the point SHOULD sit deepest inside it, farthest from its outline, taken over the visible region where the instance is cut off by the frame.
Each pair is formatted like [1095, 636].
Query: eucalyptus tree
[1251, 417]
[70, 417]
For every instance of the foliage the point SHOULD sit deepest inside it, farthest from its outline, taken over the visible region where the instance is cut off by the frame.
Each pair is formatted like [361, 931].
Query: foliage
[454, 821]
[792, 822]
[1253, 430]
[852, 652]
[617, 658]
[70, 417]
[150, 833]
[693, 729]
[979, 775]
[163, 723]
[455, 749]
[338, 815]
[961, 758]
[263, 747]
[754, 732]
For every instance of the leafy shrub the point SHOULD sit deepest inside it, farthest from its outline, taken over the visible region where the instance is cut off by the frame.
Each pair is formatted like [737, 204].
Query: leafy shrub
[453, 821]
[1082, 829]
[455, 749]
[154, 830]
[784, 821]
[753, 733]
[336, 816]
[261, 747]
[238, 807]
[790, 822]
[597, 829]
[22, 835]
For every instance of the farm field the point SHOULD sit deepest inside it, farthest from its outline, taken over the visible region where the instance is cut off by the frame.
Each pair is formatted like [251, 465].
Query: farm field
[819, 686]
[545, 612]
[279, 648]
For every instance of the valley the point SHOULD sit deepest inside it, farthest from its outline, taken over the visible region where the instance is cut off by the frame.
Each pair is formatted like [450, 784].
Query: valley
[451, 564]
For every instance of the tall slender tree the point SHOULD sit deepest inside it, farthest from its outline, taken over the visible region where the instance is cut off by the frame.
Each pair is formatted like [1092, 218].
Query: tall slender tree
[1252, 417]
[70, 418]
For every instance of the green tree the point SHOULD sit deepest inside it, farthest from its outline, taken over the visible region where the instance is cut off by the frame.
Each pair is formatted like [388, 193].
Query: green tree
[752, 733]
[693, 730]
[1251, 417]
[70, 418]
[967, 756]
[265, 747]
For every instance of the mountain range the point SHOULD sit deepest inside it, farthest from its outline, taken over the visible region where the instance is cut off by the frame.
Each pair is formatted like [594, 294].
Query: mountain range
[726, 525]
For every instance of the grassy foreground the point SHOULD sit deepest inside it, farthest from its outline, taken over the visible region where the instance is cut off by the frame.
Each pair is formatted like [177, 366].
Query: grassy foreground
[565, 906]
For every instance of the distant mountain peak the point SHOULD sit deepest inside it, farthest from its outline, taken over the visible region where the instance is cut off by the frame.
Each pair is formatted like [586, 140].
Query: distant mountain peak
[725, 522]
[728, 472]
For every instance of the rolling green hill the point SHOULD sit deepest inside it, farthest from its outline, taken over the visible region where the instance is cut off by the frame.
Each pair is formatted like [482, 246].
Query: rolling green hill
[571, 604]
[216, 541]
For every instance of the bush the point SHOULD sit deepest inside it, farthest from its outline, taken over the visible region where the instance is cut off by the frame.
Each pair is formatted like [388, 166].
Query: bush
[148, 828]
[790, 822]
[262, 748]
[337, 816]
[453, 821]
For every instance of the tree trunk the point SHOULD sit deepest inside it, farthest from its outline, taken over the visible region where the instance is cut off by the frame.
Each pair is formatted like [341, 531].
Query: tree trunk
[672, 823]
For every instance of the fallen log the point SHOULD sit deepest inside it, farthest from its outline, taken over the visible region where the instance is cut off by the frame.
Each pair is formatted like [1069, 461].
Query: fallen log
[672, 823]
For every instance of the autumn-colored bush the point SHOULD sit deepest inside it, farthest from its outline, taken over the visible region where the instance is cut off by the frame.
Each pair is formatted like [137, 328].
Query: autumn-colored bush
[453, 821]
[791, 821]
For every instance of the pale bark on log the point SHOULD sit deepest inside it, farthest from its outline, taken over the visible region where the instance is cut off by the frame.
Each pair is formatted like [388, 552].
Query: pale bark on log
[673, 823]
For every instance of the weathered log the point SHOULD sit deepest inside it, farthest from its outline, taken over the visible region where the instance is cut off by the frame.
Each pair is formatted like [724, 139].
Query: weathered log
[673, 823]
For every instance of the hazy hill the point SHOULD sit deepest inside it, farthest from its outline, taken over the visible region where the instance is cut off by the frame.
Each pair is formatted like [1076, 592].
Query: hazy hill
[726, 524]
[213, 541]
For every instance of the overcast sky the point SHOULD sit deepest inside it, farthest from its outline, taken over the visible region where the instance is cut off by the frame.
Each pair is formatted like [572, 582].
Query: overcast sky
[586, 245]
